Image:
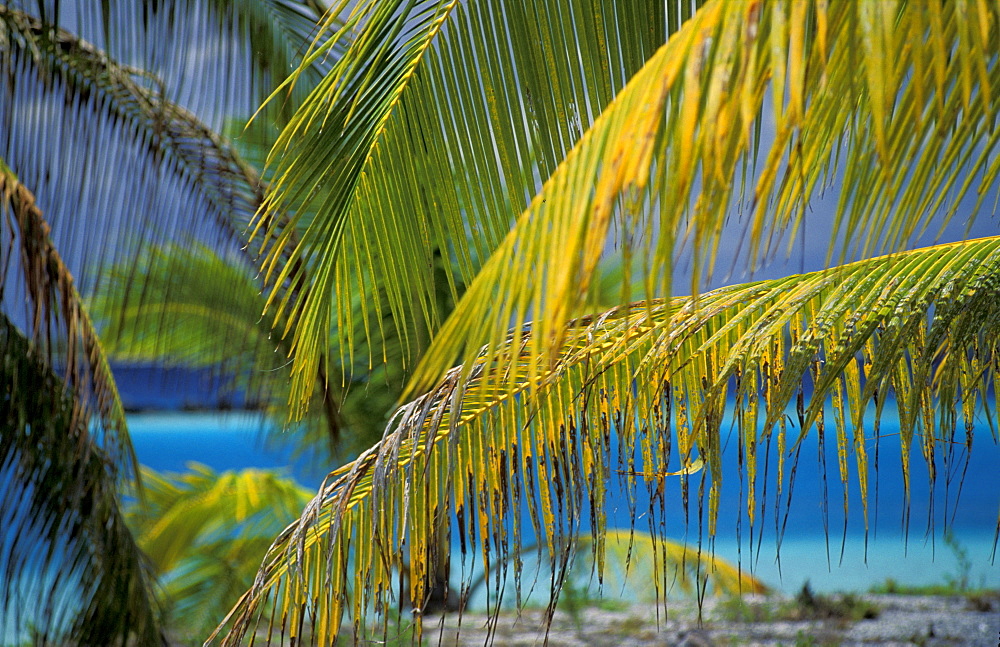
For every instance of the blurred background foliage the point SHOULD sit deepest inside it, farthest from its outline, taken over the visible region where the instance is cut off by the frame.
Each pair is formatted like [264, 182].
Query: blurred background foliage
[205, 532]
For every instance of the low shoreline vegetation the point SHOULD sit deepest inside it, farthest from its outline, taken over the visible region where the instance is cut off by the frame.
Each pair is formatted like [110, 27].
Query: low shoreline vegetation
[806, 605]
[978, 597]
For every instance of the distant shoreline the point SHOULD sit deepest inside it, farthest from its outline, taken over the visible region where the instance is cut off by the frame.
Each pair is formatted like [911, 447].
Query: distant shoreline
[193, 408]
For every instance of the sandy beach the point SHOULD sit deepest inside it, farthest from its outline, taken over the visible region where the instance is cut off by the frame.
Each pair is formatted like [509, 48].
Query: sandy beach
[899, 620]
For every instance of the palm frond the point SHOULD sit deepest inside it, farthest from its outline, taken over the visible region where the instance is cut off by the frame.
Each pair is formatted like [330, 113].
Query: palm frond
[72, 572]
[60, 326]
[201, 310]
[404, 148]
[205, 533]
[630, 554]
[651, 379]
[694, 107]
[240, 51]
[81, 96]
[428, 137]
[274, 36]
[179, 508]
[693, 571]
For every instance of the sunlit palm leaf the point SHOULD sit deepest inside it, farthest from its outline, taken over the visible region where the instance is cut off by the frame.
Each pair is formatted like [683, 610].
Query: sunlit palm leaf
[423, 152]
[922, 327]
[693, 107]
[72, 572]
[430, 136]
[179, 508]
[629, 554]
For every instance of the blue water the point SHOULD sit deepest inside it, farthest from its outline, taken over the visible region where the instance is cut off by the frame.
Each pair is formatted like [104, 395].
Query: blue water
[814, 545]
[223, 441]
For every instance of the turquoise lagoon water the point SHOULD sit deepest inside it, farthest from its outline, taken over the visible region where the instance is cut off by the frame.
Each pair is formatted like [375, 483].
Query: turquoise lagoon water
[814, 545]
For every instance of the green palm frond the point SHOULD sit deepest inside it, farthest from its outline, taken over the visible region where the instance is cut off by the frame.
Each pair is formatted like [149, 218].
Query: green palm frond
[403, 144]
[179, 508]
[202, 310]
[72, 572]
[430, 135]
[205, 533]
[199, 310]
[922, 327]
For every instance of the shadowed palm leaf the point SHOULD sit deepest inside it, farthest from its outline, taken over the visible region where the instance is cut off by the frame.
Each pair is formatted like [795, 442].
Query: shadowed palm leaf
[171, 157]
[90, 119]
[72, 571]
[186, 181]
[126, 107]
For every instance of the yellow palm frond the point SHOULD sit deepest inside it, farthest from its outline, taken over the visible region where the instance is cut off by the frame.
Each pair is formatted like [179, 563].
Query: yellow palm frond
[622, 561]
[205, 532]
[922, 327]
[693, 107]
[629, 555]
